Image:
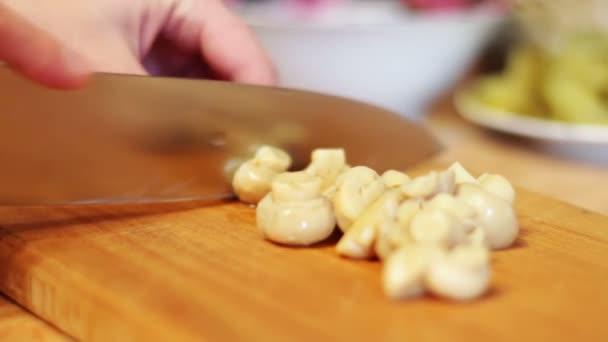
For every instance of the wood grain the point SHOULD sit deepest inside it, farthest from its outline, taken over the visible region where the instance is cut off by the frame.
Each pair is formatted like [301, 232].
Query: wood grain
[198, 272]
[184, 272]
[18, 325]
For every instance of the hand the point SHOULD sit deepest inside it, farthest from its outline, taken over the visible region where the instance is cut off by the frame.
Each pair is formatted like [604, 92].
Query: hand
[440, 5]
[42, 58]
[183, 38]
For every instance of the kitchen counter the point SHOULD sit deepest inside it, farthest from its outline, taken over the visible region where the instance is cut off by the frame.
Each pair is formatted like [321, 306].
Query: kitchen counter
[568, 180]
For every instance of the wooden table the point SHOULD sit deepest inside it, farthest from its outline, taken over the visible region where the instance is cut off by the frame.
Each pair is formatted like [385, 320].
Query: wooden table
[568, 180]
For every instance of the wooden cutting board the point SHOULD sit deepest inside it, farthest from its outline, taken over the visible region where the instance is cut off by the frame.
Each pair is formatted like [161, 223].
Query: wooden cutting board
[201, 271]
[18, 325]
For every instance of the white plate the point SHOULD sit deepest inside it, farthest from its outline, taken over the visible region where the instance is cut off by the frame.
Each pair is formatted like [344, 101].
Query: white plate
[584, 141]
[522, 125]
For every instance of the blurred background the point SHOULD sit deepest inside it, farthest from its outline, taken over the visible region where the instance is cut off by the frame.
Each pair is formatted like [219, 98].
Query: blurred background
[540, 59]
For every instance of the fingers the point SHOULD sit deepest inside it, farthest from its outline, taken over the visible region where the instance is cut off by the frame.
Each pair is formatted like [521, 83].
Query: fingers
[232, 50]
[225, 42]
[36, 55]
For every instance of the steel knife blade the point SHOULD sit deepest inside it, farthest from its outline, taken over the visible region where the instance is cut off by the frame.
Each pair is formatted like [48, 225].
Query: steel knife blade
[134, 139]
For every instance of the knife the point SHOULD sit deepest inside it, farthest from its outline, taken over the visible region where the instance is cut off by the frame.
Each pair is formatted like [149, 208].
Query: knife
[140, 139]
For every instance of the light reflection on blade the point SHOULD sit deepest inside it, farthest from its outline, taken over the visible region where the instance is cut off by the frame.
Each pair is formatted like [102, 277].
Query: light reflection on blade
[116, 201]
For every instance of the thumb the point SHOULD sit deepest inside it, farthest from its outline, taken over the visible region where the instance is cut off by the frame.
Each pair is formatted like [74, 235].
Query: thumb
[36, 55]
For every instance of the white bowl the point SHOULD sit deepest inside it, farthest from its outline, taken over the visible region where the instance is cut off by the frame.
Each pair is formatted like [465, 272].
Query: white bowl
[401, 64]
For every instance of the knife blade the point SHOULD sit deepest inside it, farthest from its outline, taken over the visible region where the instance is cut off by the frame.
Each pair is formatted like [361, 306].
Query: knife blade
[139, 139]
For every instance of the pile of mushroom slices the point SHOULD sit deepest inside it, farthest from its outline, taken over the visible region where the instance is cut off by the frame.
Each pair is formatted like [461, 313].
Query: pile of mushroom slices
[433, 233]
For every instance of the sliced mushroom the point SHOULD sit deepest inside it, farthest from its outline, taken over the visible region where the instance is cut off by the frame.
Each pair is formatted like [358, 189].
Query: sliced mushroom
[391, 236]
[358, 241]
[437, 227]
[494, 215]
[447, 182]
[253, 178]
[295, 186]
[328, 164]
[359, 187]
[422, 186]
[477, 237]
[395, 232]
[407, 210]
[231, 166]
[498, 185]
[273, 158]
[394, 178]
[295, 213]
[461, 175]
[462, 274]
[404, 271]
[426, 186]
[330, 191]
[465, 213]
[252, 181]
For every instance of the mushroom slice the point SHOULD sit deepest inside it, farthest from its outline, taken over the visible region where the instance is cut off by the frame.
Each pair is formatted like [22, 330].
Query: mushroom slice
[447, 182]
[295, 213]
[273, 158]
[465, 213]
[494, 215]
[498, 185]
[359, 187]
[462, 274]
[327, 163]
[252, 181]
[253, 178]
[461, 175]
[407, 210]
[438, 227]
[295, 186]
[422, 186]
[394, 178]
[358, 241]
[395, 233]
[404, 271]
[427, 186]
